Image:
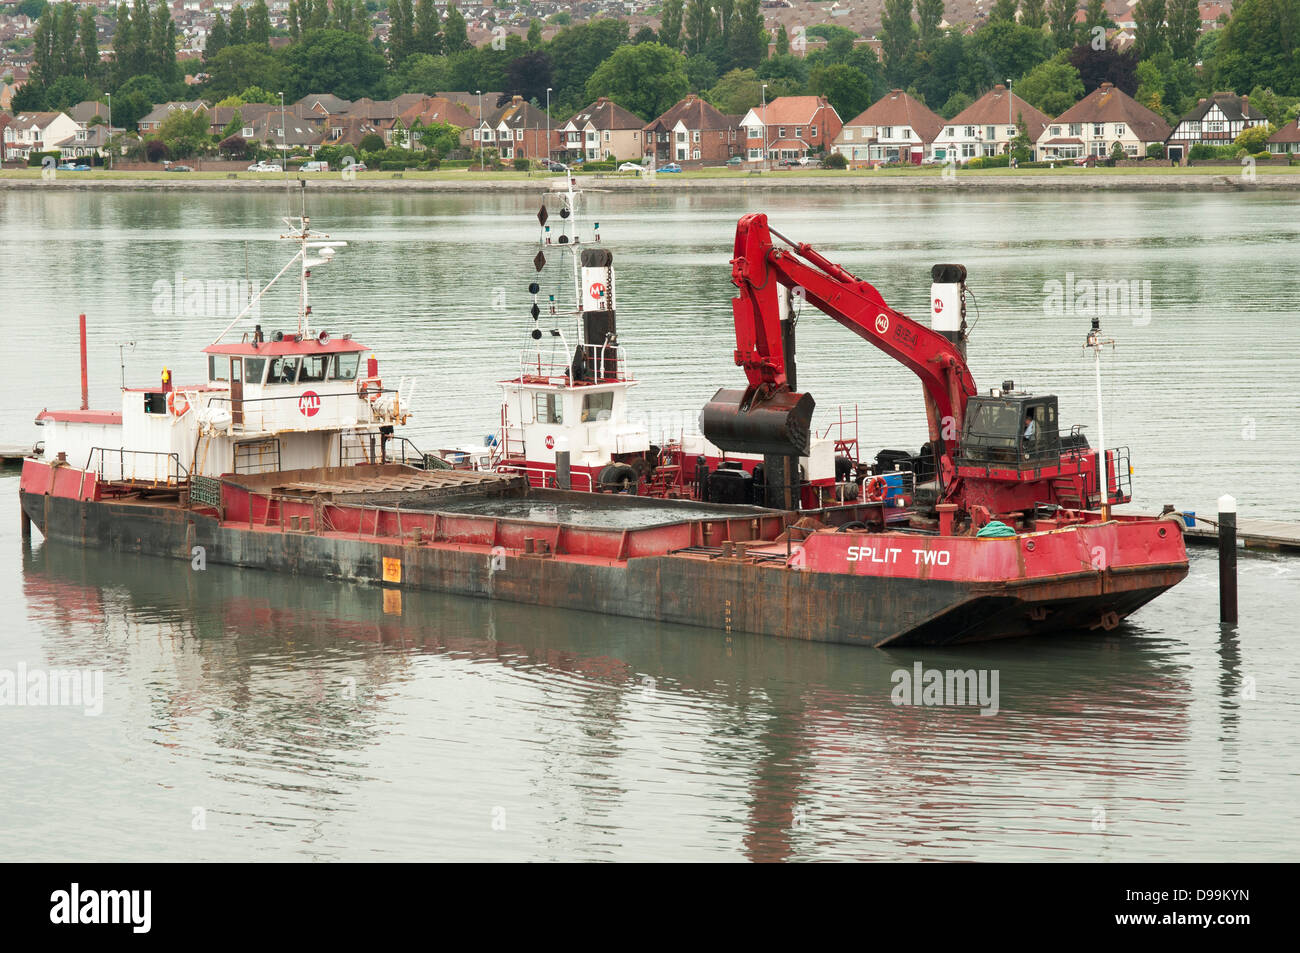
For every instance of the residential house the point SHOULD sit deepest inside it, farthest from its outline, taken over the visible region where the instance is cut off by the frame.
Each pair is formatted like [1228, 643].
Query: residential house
[429, 110]
[895, 128]
[219, 117]
[604, 130]
[154, 120]
[381, 114]
[1286, 141]
[790, 127]
[288, 133]
[1214, 121]
[476, 104]
[92, 141]
[1093, 125]
[324, 104]
[84, 112]
[517, 131]
[692, 131]
[37, 132]
[347, 131]
[5, 120]
[987, 126]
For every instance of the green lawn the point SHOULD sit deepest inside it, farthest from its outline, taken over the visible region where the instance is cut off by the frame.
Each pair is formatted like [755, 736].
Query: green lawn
[461, 175]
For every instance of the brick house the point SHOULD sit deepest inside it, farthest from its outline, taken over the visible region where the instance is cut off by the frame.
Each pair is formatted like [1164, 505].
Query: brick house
[692, 131]
[516, 130]
[790, 127]
[987, 126]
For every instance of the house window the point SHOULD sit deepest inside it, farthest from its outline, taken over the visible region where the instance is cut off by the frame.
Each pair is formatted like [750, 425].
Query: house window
[695, 135]
[1056, 130]
[848, 135]
[907, 133]
[1076, 129]
[886, 132]
[968, 132]
[1099, 129]
[1119, 130]
[991, 132]
[519, 135]
[636, 136]
[950, 133]
[780, 132]
[1214, 127]
[695, 154]
[812, 132]
[798, 132]
[607, 135]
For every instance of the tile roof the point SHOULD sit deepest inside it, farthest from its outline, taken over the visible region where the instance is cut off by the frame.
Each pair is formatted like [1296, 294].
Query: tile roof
[1234, 108]
[693, 113]
[604, 114]
[897, 108]
[1288, 133]
[1108, 104]
[992, 109]
[790, 110]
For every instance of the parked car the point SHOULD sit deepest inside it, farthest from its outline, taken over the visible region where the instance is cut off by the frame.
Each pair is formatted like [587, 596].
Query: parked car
[265, 167]
[789, 163]
[736, 160]
[179, 168]
[671, 167]
[551, 165]
[631, 167]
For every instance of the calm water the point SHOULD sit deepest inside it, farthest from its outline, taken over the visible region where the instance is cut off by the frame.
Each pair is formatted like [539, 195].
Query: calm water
[307, 719]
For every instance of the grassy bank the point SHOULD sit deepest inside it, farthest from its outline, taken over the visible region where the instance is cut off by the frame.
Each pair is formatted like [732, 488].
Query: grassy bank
[1155, 177]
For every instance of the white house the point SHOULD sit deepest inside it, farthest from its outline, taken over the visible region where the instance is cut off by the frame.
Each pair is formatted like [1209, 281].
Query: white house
[37, 132]
[1095, 124]
[895, 128]
[987, 127]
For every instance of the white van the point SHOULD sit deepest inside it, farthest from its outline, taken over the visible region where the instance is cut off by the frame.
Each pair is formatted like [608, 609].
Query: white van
[315, 167]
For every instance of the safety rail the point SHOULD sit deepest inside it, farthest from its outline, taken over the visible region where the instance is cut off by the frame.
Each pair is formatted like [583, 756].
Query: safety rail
[604, 368]
[267, 414]
[174, 473]
[383, 448]
[544, 474]
[844, 444]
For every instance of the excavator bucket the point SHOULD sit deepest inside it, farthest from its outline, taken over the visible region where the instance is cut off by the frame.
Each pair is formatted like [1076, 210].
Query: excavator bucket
[779, 424]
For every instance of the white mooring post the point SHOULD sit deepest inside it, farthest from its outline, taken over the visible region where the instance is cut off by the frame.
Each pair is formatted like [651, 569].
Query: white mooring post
[1227, 560]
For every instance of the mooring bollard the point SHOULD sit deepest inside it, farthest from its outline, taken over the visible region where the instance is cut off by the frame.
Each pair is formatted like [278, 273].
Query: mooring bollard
[562, 478]
[1227, 560]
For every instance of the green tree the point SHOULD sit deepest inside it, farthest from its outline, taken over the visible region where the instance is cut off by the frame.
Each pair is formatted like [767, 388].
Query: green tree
[162, 43]
[929, 14]
[455, 36]
[1260, 45]
[534, 33]
[89, 43]
[238, 26]
[1184, 26]
[421, 73]
[1060, 20]
[647, 78]
[1149, 37]
[1001, 50]
[185, 133]
[670, 24]
[1003, 11]
[898, 41]
[401, 34]
[699, 26]
[1033, 14]
[343, 63]
[236, 68]
[782, 41]
[218, 38]
[736, 92]
[957, 102]
[747, 40]
[1052, 86]
[259, 23]
[848, 89]
[576, 52]
[701, 72]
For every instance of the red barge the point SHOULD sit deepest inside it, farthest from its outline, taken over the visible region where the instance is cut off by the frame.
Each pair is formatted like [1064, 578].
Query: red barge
[287, 458]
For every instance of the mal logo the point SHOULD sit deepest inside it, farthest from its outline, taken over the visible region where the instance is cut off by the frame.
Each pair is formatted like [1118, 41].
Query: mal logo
[597, 290]
[938, 306]
[882, 324]
[309, 403]
[550, 442]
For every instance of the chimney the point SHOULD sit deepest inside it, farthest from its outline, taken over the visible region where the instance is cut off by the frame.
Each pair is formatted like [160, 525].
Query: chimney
[1245, 107]
[1106, 85]
[999, 88]
[516, 100]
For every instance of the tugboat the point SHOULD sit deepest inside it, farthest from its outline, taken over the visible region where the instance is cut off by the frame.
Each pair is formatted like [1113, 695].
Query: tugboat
[287, 459]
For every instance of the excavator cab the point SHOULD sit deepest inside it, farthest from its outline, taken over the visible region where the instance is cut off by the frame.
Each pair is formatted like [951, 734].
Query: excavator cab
[1010, 429]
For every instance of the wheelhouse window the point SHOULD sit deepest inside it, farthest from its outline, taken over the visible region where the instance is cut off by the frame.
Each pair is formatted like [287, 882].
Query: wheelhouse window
[284, 370]
[314, 368]
[550, 409]
[597, 406]
[253, 368]
[345, 367]
[218, 367]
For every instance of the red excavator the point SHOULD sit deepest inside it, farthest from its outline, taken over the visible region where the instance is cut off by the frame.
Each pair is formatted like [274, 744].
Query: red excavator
[999, 455]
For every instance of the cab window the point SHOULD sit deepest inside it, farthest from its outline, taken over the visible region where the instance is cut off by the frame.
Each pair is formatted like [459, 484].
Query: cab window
[218, 367]
[313, 368]
[253, 368]
[345, 367]
[284, 370]
[597, 406]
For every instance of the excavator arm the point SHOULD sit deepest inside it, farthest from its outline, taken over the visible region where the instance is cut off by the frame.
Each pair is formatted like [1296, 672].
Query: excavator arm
[760, 418]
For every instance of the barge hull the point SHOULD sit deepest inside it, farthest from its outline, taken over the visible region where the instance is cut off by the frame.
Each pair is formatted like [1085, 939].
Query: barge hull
[723, 594]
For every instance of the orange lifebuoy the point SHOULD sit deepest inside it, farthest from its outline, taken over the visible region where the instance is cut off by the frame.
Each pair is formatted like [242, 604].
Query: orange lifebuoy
[876, 489]
[366, 385]
[177, 404]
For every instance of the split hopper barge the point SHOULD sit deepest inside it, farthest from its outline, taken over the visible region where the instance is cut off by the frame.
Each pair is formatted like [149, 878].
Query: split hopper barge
[727, 568]
[287, 458]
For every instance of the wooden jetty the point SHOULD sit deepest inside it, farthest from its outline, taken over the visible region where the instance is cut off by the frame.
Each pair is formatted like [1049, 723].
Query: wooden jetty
[1278, 535]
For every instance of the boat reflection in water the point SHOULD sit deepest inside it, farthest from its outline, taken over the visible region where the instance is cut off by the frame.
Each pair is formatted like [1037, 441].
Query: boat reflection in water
[405, 719]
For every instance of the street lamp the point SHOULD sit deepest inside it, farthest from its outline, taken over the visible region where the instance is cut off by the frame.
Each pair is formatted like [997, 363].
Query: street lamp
[109, 141]
[284, 149]
[763, 95]
[479, 94]
[548, 128]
